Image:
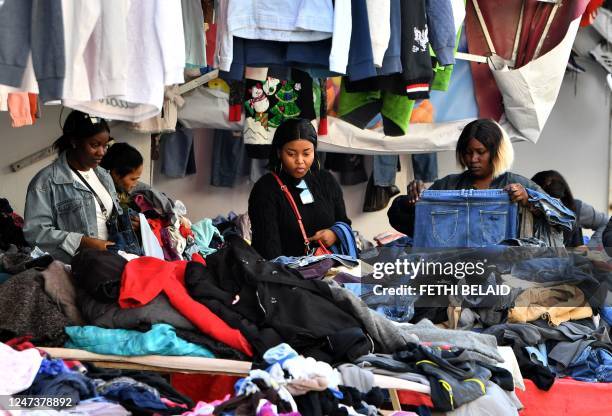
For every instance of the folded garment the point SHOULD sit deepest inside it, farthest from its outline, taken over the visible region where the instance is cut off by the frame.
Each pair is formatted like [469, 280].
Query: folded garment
[482, 345]
[160, 340]
[59, 285]
[555, 304]
[111, 315]
[99, 273]
[295, 262]
[26, 309]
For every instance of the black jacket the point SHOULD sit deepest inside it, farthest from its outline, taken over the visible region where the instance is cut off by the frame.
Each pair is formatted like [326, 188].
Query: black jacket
[270, 304]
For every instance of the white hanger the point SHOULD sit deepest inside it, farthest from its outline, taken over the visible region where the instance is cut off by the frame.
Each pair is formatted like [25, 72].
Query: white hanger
[195, 83]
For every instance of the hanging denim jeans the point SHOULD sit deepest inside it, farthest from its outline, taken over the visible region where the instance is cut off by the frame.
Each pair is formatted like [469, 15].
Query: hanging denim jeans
[120, 232]
[385, 169]
[177, 157]
[464, 218]
[229, 161]
[425, 166]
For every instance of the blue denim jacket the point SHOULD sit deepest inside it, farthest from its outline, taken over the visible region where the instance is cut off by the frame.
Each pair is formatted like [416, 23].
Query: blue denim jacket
[59, 210]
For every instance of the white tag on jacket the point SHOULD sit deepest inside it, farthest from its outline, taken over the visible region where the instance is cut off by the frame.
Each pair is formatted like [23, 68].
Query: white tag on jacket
[306, 197]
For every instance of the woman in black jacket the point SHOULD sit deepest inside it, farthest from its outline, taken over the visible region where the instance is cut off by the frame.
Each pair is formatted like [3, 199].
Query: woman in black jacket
[316, 193]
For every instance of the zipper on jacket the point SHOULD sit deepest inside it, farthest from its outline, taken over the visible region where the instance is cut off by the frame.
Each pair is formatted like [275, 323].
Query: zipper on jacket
[475, 380]
[446, 386]
[259, 301]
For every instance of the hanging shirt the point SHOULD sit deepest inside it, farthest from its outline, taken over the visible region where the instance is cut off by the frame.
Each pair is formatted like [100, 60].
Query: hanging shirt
[379, 19]
[282, 20]
[151, 56]
[93, 181]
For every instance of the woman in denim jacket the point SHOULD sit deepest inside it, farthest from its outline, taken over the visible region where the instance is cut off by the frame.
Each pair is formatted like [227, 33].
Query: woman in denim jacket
[485, 152]
[69, 202]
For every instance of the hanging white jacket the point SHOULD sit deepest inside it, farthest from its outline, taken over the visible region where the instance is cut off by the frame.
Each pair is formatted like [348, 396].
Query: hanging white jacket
[341, 39]
[193, 28]
[281, 20]
[95, 42]
[155, 57]
[379, 18]
[224, 45]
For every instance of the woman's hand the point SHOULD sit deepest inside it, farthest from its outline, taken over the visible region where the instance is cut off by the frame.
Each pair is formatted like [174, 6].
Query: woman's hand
[95, 243]
[415, 188]
[518, 194]
[135, 220]
[327, 237]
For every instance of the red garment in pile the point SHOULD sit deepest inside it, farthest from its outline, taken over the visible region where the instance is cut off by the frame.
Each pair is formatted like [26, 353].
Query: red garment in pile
[156, 227]
[145, 278]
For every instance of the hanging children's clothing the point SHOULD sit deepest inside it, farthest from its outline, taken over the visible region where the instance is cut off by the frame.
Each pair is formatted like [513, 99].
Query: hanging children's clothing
[271, 101]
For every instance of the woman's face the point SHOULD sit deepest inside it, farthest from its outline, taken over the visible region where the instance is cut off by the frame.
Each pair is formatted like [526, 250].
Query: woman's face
[477, 158]
[89, 152]
[297, 157]
[129, 181]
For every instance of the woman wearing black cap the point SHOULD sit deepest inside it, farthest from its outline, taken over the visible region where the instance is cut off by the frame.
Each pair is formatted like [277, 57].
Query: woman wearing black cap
[70, 201]
[317, 195]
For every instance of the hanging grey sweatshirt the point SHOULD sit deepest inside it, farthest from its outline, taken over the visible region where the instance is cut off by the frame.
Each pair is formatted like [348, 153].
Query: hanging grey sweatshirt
[36, 26]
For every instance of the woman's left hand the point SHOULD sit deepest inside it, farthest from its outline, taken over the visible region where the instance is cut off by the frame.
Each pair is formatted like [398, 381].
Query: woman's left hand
[327, 237]
[517, 193]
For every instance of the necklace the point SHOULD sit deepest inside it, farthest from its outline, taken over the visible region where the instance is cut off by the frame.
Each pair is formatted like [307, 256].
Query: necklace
[86, 175]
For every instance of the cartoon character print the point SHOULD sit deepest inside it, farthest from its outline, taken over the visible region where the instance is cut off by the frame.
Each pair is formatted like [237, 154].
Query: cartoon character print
[270, 86]
[258, 105]
[286, 107]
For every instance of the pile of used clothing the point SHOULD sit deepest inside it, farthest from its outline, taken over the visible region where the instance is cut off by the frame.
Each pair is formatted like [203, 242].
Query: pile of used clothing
[236, 305]
[84, 389]
[225, 301]
[167, 233]
[554, 314]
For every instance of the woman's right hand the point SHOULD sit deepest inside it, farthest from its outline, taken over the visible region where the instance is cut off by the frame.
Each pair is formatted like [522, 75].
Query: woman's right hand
[95, 243]
[415, 188]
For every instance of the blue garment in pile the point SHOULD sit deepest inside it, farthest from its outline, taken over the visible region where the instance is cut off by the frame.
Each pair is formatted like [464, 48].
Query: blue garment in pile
[346, 244]
[160, 340]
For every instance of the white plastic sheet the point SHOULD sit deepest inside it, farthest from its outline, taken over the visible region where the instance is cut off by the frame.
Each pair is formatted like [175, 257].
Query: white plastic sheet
[530, 92]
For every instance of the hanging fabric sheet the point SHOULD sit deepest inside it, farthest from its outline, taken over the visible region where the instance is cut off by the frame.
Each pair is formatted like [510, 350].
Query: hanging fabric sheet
[521, 34]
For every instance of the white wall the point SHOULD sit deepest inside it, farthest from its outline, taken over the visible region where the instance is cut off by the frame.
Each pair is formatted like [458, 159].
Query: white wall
[16, 144]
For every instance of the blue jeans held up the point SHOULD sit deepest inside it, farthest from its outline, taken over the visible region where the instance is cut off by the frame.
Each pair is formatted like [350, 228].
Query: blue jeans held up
[464, 218]
[120, 232]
